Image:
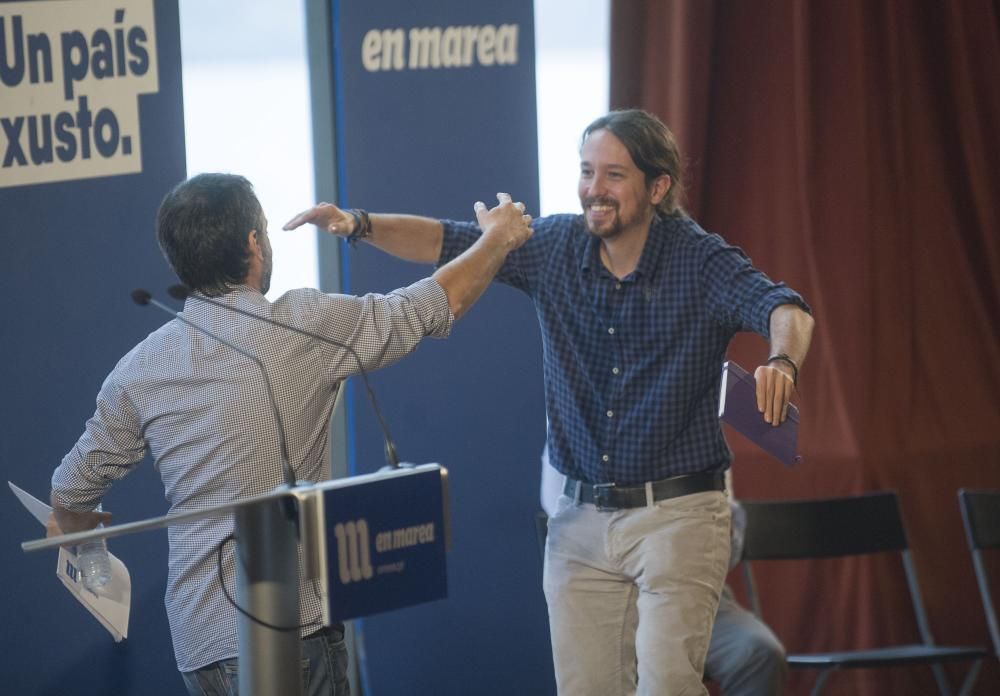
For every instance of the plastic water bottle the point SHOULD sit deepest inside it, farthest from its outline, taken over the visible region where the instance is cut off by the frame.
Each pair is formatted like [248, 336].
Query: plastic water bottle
[94, 563]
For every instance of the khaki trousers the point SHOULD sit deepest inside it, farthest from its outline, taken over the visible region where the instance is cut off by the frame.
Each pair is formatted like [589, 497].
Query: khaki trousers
[632, 594]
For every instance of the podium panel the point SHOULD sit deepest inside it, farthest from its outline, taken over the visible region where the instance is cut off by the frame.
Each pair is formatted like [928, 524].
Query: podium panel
[385, 544]
[372, 543]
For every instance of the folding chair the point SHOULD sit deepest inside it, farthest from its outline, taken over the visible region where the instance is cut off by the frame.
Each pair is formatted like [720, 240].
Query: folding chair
[981, 514]
[836, 527]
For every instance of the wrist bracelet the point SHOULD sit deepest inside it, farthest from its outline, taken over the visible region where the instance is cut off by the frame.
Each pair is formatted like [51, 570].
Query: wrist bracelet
[362, 225]
[783, 357]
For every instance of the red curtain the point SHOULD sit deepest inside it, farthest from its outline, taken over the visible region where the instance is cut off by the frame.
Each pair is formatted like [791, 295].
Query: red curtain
[852, 148]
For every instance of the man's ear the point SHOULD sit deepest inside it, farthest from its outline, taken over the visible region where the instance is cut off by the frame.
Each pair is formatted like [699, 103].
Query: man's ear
[253, 244]
[660, 188]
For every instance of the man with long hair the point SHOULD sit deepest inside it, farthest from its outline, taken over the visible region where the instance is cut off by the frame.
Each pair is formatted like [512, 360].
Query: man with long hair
[637, 305]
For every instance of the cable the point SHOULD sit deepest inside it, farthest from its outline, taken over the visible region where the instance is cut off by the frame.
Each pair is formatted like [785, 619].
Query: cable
[237, 607]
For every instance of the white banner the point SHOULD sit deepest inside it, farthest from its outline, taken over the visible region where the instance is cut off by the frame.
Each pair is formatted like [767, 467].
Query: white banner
[70, 75]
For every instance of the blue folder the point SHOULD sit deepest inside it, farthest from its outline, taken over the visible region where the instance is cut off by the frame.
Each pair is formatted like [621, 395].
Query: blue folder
[738, 408]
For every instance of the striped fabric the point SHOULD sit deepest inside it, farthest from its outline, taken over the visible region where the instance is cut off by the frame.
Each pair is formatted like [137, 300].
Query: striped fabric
[633, 367]
[202, 412]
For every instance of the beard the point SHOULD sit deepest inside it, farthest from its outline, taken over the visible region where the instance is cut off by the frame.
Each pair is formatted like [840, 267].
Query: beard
[265, 280]
[613, 223]
[609, 229]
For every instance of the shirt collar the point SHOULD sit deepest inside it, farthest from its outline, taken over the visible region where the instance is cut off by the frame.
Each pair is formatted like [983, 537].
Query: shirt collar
[591, 256]
[649, 261]
[237, 293]
[652, 252]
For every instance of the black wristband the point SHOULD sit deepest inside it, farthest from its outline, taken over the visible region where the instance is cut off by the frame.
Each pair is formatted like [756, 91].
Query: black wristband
[783, 357]
[362, 225]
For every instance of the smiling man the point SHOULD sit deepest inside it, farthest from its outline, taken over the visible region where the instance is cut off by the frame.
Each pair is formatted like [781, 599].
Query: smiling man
[637, 305]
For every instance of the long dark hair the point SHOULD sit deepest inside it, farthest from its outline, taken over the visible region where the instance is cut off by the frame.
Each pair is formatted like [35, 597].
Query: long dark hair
[652, 147]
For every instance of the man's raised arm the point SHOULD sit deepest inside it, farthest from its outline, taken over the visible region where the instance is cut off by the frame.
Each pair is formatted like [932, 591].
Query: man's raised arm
[407, 237]
[413, 238]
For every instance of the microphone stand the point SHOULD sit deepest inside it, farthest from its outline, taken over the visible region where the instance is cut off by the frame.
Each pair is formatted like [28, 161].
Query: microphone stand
[143, 298]
[181, 292]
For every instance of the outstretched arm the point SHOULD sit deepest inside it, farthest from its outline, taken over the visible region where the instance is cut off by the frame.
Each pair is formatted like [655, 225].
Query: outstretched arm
[413, 238]
[407, 237]
[791, 333]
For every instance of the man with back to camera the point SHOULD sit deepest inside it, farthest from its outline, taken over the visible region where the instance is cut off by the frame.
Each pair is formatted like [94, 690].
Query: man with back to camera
[637, 305]
[203, 410]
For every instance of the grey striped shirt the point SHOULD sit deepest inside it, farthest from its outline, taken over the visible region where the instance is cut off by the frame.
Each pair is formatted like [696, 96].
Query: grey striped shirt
[202, 412]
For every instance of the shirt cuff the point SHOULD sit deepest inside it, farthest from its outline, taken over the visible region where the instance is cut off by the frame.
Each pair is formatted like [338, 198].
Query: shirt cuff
[779, 295]
[432, 303]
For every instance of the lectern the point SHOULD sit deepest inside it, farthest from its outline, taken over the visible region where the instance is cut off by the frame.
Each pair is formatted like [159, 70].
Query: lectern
[372, 543]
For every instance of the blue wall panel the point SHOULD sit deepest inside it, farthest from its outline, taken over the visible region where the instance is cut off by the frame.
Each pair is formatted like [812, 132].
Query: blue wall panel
[75, 244]
[433, 140]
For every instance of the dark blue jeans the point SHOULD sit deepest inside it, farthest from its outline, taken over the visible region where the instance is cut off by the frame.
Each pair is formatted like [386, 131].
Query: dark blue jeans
[324, 669]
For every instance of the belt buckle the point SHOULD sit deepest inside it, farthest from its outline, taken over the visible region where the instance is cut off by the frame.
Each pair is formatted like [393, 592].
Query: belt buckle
[602, 494]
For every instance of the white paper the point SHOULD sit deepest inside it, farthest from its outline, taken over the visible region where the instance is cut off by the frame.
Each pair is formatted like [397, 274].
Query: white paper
[111, 604]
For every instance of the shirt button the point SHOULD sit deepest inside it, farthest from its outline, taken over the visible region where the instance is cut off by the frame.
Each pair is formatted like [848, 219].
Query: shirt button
[615, 370]
[605, 458]
[618, 286]
[611, 414]
[611, 330]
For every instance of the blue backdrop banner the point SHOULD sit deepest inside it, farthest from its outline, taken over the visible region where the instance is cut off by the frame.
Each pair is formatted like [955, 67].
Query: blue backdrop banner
[91, 138]
[435, 109]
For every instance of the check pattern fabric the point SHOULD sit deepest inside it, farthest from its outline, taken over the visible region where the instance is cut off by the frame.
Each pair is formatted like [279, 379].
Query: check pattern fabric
[202, 411]
[633, 367]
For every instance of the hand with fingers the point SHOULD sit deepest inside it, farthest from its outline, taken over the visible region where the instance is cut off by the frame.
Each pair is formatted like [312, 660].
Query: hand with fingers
[507, 222]
[62, 521]
[327, 217]
[775, 386]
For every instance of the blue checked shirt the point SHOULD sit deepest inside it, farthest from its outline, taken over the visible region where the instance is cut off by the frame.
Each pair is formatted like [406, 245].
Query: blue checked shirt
[633, 367]
[203, 413]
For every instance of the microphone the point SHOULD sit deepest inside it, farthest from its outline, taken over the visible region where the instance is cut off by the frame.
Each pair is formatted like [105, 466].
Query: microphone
[144, 297]
[182, 292]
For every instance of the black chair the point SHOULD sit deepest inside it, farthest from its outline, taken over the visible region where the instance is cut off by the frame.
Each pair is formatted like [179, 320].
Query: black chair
[981, 514]
[835, 527]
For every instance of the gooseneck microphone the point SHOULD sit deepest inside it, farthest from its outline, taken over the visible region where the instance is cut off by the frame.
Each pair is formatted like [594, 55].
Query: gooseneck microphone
[182, 292]
[144, 297]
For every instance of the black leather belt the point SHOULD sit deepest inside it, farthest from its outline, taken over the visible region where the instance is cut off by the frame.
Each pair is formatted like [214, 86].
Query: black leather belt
[609, 496]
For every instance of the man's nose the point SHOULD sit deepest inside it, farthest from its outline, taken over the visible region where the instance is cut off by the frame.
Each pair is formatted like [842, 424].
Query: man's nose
[596, 186]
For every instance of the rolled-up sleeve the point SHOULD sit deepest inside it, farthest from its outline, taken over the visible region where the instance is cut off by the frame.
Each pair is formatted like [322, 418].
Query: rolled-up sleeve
[739, 295]
[379, 329]
[430, 301]
[457, 237]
